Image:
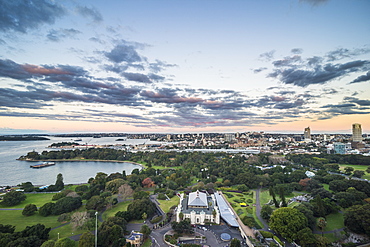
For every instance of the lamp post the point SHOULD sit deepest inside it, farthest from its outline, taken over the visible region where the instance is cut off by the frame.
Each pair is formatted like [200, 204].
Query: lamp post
[96, 229]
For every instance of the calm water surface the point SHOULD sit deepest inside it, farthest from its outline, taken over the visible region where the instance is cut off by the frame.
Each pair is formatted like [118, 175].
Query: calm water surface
[13, 172]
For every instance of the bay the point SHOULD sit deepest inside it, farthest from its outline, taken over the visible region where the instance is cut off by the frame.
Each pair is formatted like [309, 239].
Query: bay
[13, 172]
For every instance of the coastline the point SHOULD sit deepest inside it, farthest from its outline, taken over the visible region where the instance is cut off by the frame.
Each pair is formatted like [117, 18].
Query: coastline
[82, 160]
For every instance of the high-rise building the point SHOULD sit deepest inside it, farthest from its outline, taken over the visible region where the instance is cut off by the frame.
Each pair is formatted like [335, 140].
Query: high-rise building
[307, 134]
[339, 148]
[356, 132]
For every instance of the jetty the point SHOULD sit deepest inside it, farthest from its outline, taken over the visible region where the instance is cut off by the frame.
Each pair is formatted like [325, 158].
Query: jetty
[45, 164]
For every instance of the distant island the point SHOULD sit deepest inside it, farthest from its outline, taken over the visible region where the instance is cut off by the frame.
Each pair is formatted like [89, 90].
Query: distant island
[23, 138]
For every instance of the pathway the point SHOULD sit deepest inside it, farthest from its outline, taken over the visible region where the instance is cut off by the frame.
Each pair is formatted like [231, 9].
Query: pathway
[258, 210]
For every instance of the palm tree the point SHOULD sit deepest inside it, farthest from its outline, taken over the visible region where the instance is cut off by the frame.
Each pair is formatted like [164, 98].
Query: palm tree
[321, 223]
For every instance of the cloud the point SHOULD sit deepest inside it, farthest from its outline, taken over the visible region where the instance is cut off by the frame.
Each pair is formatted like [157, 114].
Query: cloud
[267, 56]
[92, 13]
[362, 78]
[342, 53]
[294, 70]
[123, 52]
[314, 2]
[158, 66]
[22, 16]
[259, 70]
[57, 35]
[296, 50]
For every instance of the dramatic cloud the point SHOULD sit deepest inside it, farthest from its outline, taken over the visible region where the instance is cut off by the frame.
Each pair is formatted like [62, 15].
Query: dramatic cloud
[21, 16]
[319, 70]
[57, 35]
[362, 78]
[92, 13]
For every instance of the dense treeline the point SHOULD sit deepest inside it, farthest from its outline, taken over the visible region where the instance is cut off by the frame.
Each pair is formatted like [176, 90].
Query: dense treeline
[317, 160]
[23, 138]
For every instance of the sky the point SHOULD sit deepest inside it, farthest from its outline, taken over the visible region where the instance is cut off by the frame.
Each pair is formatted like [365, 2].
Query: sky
[176, 66]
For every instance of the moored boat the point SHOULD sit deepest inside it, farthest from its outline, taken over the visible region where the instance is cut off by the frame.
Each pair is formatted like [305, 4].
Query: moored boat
[45, 164]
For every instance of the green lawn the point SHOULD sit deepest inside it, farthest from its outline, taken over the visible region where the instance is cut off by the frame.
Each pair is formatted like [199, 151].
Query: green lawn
[122, 206]
[334, 221]
[166, 205]
[64, 231]
[265, 197]
[357, 167]
[326, 186]
[15, 218]
[38, 199]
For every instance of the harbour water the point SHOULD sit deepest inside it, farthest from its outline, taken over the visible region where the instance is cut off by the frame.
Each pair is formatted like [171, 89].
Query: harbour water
[14, 172]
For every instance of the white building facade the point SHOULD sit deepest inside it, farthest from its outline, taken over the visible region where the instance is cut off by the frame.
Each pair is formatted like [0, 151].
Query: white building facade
[199, 208]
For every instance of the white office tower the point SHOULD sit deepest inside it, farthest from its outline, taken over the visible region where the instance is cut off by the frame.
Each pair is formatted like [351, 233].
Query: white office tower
[356, 132]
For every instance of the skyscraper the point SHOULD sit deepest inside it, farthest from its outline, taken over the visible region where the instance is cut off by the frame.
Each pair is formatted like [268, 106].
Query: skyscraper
[307, 134]
[356, 132]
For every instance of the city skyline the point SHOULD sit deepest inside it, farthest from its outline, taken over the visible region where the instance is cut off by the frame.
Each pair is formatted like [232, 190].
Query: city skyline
[184, 66]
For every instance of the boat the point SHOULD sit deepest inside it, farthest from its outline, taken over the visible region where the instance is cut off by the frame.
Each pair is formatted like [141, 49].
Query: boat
[45, 164]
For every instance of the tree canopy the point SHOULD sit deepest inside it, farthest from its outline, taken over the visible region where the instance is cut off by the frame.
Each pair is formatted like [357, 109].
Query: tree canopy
[288, 222]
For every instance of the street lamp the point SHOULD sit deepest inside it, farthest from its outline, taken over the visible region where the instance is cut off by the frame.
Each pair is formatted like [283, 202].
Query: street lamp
[96, 229]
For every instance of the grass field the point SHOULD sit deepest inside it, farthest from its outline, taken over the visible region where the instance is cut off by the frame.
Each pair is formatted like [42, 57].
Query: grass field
[166, 205]
[38, 199]
[15, 218]
[357, 167]
[122, 206]
[334, 221]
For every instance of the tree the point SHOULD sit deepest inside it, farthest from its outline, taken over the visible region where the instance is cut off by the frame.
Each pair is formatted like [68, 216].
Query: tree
[65, 242]
[357, 219]
[59, 184]
[306, 238]
[368, 169]
[13, 198]
[321, 223]
[288, 222]
[78, 220]
[87, 239]
[114, 185]
[145, 230]
[272, 193]
[266, 212]
[29, 210]
[27, 187]
[358, 173]
[183, 226]
[235, 242]
[125, 191]
[282, 197]
[96, 203]
[47, 209]
[348, 170]
[138, 207]
[6, 228]
[144, 216]
[49, 243]
[141, 195]
[319, 209]
[67, 204]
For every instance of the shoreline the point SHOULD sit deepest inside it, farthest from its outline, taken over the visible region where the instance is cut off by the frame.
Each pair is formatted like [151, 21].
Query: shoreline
[87, 160]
